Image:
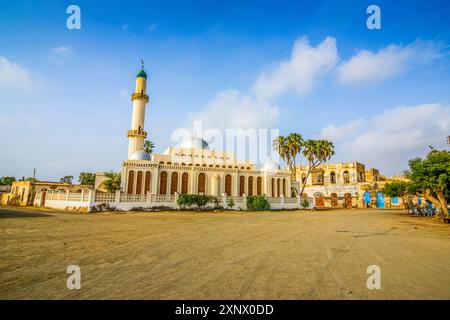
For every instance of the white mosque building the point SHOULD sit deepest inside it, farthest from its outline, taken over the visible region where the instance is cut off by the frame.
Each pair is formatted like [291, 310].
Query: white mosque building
[190, 167]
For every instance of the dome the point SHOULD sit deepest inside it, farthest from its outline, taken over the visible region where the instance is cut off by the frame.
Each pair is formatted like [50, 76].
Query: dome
[140, 155]
[271, 165]
[193, 142]
[141, 74]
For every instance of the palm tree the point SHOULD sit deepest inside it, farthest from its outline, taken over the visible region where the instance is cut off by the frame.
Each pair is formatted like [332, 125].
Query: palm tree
[294, 143]
[112, 184]
[148, 146]
[316, 152]
[281, 146]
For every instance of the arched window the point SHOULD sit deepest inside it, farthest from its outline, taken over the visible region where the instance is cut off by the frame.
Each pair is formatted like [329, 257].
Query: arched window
[250, 186]
[147, 182]
[332, 177]
[169, 163]
[278, 187]
[273, 187]
[346, 177]
[184, 183]
[130, 182]
[161, 162]
[303, 178]
[228, 185]
[163, 183]
[174, 183]
[258, 186]
[241, 185]
[139, 183]
[201, 183]
[317, 177]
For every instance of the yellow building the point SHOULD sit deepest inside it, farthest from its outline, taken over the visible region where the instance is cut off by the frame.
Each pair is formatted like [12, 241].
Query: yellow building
[23, 192]
[346, 184]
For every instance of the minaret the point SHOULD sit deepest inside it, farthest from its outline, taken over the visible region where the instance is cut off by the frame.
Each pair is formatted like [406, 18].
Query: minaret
[136, 135]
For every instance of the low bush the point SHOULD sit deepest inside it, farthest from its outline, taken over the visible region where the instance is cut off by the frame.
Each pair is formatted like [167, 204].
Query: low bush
[257, 203]
[196, 200]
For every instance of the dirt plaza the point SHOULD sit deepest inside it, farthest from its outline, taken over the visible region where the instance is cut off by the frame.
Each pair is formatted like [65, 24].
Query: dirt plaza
[238, 255]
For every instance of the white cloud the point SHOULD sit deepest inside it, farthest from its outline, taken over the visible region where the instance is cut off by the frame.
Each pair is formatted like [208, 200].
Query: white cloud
[370, 67]
[387, 141]
[13, 76]
[335, 133]
[302, 73]
[60, 55]
[230, 110]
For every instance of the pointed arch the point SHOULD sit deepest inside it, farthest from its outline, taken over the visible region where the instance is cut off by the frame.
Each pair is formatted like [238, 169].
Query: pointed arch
[163, 183]
[130, 182]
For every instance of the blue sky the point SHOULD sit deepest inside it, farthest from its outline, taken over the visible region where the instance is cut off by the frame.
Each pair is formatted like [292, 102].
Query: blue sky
[307, 66]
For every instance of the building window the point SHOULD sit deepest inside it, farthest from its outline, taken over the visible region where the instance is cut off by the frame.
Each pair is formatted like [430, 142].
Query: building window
[317, 177]
[284, 187]
[332, 177]
[201, 183]
[184, 183]
[250, 186]
[147, 182]
[258, 186]
[346, 177]
[139, 183]
[163, 183]
[241, 185]
[303, 178]
[228, 185]
[174, 183]
[130, 182]
[273, 187]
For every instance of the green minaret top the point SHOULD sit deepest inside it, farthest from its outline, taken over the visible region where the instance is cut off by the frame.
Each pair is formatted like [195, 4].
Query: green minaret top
[141, 72]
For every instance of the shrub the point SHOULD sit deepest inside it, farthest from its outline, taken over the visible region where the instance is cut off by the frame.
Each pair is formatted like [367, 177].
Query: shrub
[230, 203]
[190, 200]
[257, 203]
[305, 203]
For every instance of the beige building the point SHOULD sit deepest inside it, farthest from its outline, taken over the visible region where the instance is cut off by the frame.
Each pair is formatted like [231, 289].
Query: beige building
[191, 167]
[23, 192]
[346, 184]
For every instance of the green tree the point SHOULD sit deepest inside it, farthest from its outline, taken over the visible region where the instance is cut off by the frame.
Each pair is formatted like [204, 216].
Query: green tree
[398, 189]
[280, 144]
[112, 184]
[289, 148]
[67, 179]
[430, 177]
[316, 152]
[7, 181]
[86, 178]
[148, 146]
[294, 143]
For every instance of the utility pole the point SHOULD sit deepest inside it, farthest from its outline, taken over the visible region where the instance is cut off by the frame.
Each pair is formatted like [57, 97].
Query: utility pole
[34, 174]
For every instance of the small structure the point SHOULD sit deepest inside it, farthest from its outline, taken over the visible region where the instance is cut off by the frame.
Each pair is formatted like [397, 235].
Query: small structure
[23, 192]
[346, 185]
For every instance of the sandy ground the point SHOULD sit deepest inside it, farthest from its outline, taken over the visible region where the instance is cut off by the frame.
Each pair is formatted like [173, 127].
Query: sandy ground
[279, 255]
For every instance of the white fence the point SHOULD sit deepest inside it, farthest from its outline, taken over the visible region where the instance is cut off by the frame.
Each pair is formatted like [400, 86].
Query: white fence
[90, 199]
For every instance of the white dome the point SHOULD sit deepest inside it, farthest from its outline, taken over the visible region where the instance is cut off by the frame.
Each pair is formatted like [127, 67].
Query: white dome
[193, 142]
[140, 155]
[271, 165]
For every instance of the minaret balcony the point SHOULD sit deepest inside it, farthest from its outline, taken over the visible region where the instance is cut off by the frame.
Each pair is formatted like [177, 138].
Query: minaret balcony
[138, 95]
[136, 133]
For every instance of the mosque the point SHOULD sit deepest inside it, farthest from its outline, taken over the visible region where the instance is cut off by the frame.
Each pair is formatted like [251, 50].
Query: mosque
[190, 167]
